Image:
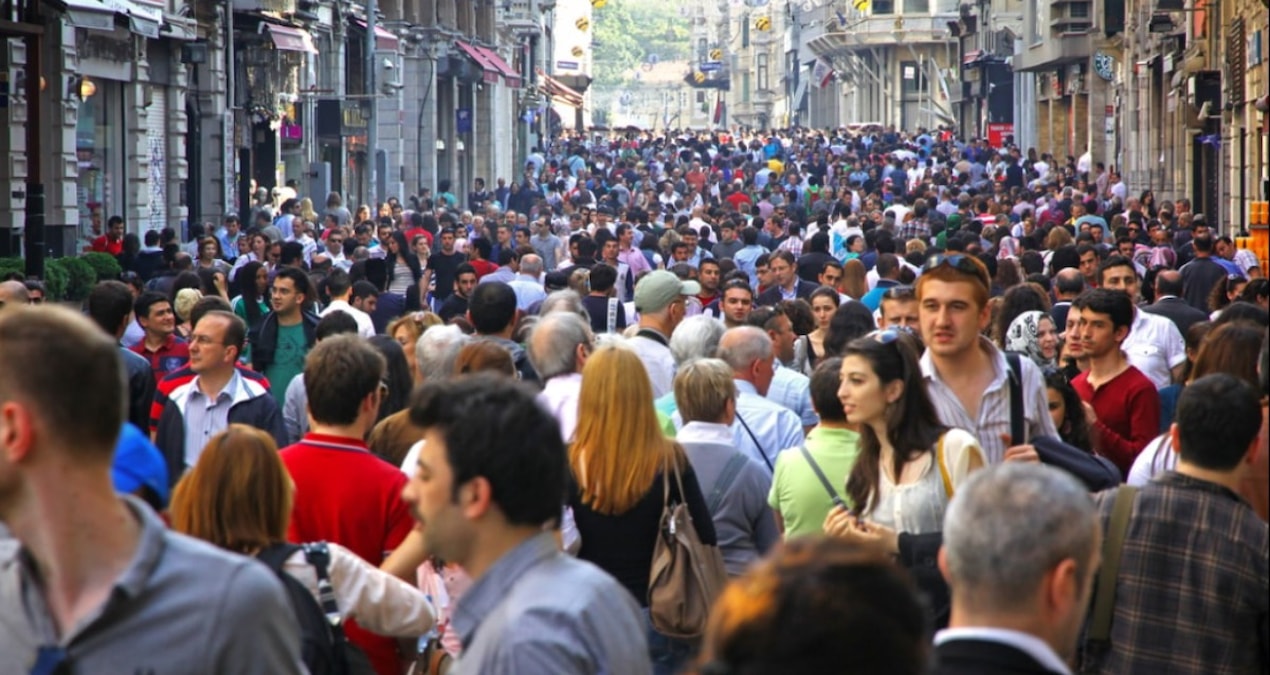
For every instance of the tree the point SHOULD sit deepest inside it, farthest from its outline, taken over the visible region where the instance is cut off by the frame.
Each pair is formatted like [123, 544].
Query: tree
[628, 32]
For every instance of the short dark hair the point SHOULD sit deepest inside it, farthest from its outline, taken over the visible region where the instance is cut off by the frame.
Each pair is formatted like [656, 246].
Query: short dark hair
[1203, 242]
[335, 323]
[338, 282]
[297, 277]
[1114, 304]
[825, 381]
[146, 301]
[762, 317]
[473, 413]
[492, 307]
[603, 277]
[1218, 416]
[364, 289]
[109, 304]
[339, 373]
[1069, 284]
[206, 305]
[1113, 262]
[464, 268]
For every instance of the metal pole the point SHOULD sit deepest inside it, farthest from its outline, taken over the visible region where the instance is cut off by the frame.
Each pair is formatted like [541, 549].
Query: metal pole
[372, 125]
[33, 227]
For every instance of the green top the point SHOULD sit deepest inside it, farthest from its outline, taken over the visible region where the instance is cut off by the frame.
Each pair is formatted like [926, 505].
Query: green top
[797, 494]
[240, 308]
[288, 360]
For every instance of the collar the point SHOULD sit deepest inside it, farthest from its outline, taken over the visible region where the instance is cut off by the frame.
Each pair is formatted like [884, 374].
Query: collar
[745, 387]
[930, 372]
[569, 380]
[820, 433]
[1024, 642]
[230, 389]
[1185, 482]
[706, 432]
[496, 584]
[328, 442]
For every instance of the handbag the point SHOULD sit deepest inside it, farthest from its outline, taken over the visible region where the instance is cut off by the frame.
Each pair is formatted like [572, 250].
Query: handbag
[686, 575]
[1097, 473]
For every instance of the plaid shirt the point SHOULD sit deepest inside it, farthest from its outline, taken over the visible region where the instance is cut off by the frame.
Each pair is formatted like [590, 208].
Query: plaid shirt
[1191, 593]
[916, 228]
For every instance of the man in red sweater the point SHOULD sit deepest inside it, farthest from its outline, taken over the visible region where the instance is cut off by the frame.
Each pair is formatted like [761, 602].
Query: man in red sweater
[112, 241]
[343, 493]
[1121, 403]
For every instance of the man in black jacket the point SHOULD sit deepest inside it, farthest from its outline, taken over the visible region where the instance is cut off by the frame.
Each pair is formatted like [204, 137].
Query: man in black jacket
[1170, 305]
[788, 286]
[110, 307]
[287, 333]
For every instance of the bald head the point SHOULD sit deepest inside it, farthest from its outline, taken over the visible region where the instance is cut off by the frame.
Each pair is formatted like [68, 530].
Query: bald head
[1069, 283]
[1169, 282]
[13, 293]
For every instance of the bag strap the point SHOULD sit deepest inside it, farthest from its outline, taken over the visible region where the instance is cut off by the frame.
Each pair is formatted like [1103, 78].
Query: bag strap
[1112, 546]
[811, 461]
[1017, 435]
[319, 556]
[725, 480]
[762, 453]
[943, 466]
[611, 322]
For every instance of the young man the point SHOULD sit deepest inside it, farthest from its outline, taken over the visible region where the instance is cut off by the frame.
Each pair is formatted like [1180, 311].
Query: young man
[1121, 404]
[899, 309]
[736, 304]
[464, 282]
[165, 351]
[286, 334]
[1089, 262]
[708, 276]
[94, 582]
[112, 241]
[967, 377]
[531, 607]
[343, 493]
[444, 265]
[340, 288]
[786, 284]
[602, 304]
[1154, 344]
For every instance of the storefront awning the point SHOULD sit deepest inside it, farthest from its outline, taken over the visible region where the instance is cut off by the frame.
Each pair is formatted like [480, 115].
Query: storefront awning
[142, 20]
[101, 14]
[90, 14]
[385, 40]
[288, 38]
[491, 71]
[559, 91]
[510, 76]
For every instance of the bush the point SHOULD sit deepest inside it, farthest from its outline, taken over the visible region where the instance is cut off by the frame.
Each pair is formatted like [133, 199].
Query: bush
[8, 265]
[56, 279]
[105, 265]
[81, 277]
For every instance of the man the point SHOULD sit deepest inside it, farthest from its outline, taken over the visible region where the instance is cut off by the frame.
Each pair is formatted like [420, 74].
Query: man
[1154, 345]
[343, 493]
[456, 303]
[609, 249]
[898, 309]
[708, 276]
[444, 264]
[493, 314]
[295, 408]
[559, 347]
[736, 304]
[729, 245]
[229, 238]
[763, 429]
[660, 300]
[527, 282]
[743, 522]
[628, 254]
[1201, 274]
[787, 286]
[216, 397]
[161, 347]
[286, 334]
[606, 311]
[435, 353]
[888, 271]
[1021, 547]
[1121, 404]
[1170, 305]
[340, 288]
[797, 497]
[747, 258]
[1089, 261]
[789, 387]
[531, 608]
[547, 244]
[365, 297]
[110, 307]
[13, 293]
[1191, 584]
[1068, 285]
[112, 241]
[967, 377]
[91, 581]
[1244, 260]
[831, 274]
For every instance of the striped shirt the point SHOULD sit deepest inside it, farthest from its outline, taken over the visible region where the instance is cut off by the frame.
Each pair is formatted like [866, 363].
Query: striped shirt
[994, 405]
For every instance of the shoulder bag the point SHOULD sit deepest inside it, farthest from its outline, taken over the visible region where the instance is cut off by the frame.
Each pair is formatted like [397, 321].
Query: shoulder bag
[686, 575]
[1098, 634]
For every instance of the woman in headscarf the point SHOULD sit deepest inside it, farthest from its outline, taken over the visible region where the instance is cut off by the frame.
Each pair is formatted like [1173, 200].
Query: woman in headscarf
[1034, 335]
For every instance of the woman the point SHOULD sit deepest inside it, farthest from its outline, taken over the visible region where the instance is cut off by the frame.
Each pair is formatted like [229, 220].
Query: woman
[406, 331]
[850, 321]
[1225, 291]
[824, 303]
[1257, 292]
[252, 303]
[1195, 336]
[403, 290]
[399, 380]
[910, 464]
[210, 255]
[215, 282]
[817, 605]
[1067, 411]
[182, 303]
[855, 281]
[620, 466]
[1015, 302]
[1034, 335]
[239, 496]
[258, 252]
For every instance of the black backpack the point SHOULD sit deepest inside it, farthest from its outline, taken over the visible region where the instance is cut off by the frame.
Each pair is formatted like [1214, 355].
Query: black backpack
[323, 647]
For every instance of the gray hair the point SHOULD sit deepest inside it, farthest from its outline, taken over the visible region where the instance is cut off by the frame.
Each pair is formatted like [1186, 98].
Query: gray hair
[566, 300]
[740, 347]
[436, 351]
[1009, 526]
[696, 337]
[553, 344]
[531, 264]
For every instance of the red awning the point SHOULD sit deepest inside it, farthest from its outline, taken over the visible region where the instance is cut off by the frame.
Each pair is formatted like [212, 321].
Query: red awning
[385, 40]
[971, 57]
[510, 76]
[560, 91]
[289, 39]
[490, 76]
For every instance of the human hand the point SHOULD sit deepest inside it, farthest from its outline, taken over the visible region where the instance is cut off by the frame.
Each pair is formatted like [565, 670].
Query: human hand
[1091, 415]
[841, 524]
[1019, 453]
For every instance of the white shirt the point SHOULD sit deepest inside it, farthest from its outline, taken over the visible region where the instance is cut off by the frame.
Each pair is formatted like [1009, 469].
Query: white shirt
[658, 362]
[1028, 644]
[1154, 346]
[365, 327]
[560, 397]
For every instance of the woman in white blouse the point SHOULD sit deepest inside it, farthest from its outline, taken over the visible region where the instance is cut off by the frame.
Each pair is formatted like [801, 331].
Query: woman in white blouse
[238, 497]
[909, 463]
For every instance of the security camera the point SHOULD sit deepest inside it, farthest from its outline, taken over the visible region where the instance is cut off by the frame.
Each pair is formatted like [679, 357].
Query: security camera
[389, 65]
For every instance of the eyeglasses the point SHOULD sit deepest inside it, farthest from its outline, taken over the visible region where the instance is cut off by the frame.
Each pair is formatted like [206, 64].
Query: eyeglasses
[204, 341]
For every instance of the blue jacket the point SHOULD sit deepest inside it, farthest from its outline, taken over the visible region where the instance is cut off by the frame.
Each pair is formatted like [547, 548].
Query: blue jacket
[252, 405]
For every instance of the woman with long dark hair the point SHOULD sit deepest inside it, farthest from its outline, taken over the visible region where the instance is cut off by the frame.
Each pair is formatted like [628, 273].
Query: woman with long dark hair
[398, 377]
[1067, 412]
[401, 291]
[252, 303]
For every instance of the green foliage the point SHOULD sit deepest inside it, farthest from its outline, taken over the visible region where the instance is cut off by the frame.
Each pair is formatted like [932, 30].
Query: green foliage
[104, 264]
[12, 265]
[80, 277]
[56, 279]
[627, 32]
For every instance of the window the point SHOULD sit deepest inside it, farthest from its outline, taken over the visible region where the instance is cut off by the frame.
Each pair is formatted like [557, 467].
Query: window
[883, 6]
[745, 87]
[761, 69]
[702, 50]
[912, 77]
[745, 32]
[701, 96]
[917, 6]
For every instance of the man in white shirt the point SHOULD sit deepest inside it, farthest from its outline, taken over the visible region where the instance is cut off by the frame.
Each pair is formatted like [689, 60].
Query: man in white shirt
[340, 287]
[558, 348]
[1154, 346]
[661, 301]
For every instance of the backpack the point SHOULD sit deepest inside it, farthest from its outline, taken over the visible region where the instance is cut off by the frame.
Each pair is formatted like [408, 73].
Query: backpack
[323, 647]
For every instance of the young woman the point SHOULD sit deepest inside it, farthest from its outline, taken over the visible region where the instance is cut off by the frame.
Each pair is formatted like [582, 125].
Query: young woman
[252, 303]
[1224, 292]
[404, 290]
[910, 464]
[1067, 412]
[1034, 335]
[824, 302]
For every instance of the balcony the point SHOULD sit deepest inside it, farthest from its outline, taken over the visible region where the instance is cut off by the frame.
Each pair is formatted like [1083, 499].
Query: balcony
[884, 31]
[279, 6]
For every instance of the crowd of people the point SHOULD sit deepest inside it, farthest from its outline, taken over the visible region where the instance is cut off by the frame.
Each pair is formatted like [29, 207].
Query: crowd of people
[938, 407]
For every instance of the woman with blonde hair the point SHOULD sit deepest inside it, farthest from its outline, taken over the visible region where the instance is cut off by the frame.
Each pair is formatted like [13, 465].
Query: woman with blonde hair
[619, 460]
[306, 210]
[239, 497]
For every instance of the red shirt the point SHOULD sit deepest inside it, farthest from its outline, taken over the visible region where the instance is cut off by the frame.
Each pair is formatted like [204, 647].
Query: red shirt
[416, 231]
[483, 267]
[104, 244]
[1128, 408]
[174, 354]
[346, 495]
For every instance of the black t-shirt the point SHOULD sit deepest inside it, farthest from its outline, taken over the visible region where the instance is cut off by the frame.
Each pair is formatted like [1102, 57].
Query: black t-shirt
[443, 271]
[598, 309]
[452, 307]
[810, 265]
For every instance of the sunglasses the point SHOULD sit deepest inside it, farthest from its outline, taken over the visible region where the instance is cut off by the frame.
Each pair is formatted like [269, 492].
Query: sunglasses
[958, 261]
[886, 335]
